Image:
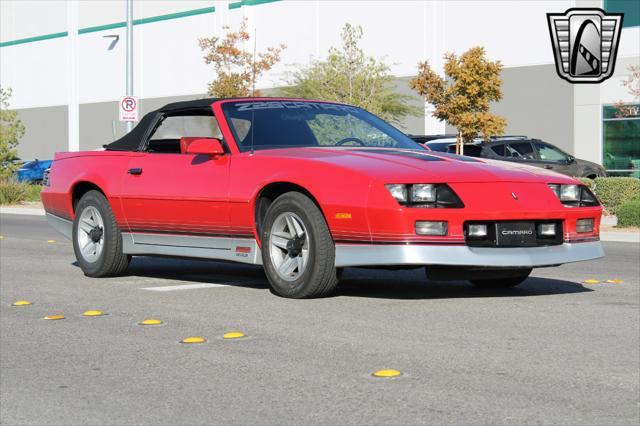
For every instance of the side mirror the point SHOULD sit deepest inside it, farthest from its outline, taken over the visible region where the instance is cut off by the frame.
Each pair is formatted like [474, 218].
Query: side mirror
[570, 159]
[205, 146]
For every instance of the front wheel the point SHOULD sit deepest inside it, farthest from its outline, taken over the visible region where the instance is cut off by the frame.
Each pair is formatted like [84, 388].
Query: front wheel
[298, 253]
[502, 282]
[97, 241]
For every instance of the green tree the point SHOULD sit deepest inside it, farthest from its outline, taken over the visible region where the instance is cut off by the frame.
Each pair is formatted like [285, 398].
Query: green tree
[463, 96]
[348, 75]
[236, 69]
[632, 83]
[11, 130]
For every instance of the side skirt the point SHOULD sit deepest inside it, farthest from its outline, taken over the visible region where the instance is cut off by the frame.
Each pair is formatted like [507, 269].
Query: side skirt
[244, 250]
[63, 226]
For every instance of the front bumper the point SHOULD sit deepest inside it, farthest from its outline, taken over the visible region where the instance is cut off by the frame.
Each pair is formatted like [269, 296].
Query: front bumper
[461, 255]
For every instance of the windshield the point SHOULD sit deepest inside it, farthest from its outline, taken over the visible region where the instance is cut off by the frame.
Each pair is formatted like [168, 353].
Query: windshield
[287, 124]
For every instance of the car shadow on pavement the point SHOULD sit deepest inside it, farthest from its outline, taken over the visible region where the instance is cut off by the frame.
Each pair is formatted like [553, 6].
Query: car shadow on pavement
[420, 288]
[356, 282]
[195, 271]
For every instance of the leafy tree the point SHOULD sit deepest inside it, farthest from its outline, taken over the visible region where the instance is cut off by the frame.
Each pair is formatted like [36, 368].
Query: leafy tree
[462, 98]
[632, 83]
[348, 75]
[11, 130]
[237, 70]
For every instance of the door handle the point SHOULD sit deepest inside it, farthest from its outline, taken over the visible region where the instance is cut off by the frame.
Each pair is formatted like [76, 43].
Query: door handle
[546, 167]
[135, 171]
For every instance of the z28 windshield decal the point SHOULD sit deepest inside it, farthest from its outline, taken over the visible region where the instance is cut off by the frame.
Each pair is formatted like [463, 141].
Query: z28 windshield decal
[249, 106]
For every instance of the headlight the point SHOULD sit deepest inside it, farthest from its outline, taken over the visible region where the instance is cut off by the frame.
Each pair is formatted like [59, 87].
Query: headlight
[399, 192]
[584, 225]
[574, 195]
[425, 195]
[569, 193]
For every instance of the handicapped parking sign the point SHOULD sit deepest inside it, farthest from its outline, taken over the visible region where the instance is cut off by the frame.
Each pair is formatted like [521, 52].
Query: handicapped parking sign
[128, 108]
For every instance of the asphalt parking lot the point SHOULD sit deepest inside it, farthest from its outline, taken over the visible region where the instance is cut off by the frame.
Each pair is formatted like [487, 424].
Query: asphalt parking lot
[553, 351]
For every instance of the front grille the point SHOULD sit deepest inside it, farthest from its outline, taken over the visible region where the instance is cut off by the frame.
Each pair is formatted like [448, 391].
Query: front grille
[514, 234]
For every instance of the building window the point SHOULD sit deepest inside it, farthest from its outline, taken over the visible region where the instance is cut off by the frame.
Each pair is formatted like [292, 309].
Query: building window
[630, 8]
[621, 140]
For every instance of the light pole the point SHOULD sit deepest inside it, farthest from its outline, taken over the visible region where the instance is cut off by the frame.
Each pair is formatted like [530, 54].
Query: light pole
[129, 55]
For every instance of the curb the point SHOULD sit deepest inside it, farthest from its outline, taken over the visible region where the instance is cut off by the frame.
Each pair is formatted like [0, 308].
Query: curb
[620, 237]
[28, 211]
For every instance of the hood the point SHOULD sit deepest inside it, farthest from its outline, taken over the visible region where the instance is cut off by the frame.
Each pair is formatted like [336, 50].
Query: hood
[589, 164]
[411, 166]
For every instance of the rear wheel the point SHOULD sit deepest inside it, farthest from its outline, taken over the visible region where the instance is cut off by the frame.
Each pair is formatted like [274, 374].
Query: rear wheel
[97, 241]
[502, 282]
[298, 253]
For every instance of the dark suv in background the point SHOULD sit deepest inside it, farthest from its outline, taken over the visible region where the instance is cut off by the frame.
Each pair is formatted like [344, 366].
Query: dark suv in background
[519, 149]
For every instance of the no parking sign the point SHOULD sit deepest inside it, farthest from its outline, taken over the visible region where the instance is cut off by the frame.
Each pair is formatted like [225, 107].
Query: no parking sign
[128, 108]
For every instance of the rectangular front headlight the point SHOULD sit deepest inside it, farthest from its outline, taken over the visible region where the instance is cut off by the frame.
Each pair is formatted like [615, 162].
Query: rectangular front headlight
[569, 193]
[477, 230]
[584, 225]
[398, 191]
[431, 228]
[574, 195]
[423, 193]
[546, 229]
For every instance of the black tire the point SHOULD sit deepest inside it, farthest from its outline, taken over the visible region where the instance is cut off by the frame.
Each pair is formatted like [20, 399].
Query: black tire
[111, 261]
[502, 282]
[319, 278]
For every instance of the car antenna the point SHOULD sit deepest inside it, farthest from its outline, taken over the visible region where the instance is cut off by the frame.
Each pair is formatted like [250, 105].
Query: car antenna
[252, 128]
[253, 87]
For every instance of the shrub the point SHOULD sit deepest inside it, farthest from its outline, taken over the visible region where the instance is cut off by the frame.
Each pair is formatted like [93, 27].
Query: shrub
[589, 183]
[614, 191]
[33, 192]
[12, 192]
[629, 213]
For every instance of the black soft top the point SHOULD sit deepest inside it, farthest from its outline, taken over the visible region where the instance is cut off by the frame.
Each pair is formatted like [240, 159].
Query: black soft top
[132, 140]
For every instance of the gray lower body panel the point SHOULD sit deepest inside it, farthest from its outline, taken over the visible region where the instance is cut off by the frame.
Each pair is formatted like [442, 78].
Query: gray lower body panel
[392, 255]
[244, 250]
[64, 226]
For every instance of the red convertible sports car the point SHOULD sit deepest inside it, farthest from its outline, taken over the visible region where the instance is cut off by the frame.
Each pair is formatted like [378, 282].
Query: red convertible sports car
[306, 188]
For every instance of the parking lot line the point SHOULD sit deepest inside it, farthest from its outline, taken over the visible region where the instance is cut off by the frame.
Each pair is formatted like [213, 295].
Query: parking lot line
[184, 287]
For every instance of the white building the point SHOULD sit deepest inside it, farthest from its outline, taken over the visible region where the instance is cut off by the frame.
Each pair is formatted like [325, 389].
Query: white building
[52, 73]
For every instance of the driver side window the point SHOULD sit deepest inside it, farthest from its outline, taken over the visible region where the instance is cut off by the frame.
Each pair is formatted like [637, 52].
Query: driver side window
[166, 138]
[521, 151]
[549, 153]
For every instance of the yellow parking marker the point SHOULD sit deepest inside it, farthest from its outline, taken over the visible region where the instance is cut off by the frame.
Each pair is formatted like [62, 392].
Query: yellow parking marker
[193, 340]
[233, 335]
[615, 281]
[51, 241]
[92, 313]
[54, 317]
[591, 282]
[150, 321]
[22, 303]
[387, 373]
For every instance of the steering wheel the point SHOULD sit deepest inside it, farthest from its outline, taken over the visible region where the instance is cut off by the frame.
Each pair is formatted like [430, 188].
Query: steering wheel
[345, 140]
